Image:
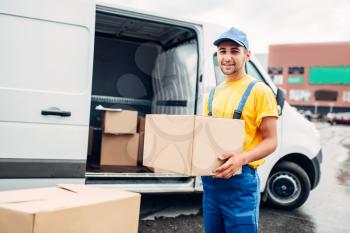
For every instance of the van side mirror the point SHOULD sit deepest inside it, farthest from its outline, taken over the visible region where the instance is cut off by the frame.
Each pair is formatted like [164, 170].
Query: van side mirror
[280, 101]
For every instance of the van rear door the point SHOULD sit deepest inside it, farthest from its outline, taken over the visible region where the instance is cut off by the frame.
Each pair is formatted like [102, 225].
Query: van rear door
[45, 86]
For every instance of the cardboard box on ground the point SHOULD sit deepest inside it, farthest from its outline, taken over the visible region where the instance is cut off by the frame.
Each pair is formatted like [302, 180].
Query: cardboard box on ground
[69, 208]
[190, 145]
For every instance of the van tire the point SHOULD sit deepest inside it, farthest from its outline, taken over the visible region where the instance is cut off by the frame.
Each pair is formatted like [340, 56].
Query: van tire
[288, 186]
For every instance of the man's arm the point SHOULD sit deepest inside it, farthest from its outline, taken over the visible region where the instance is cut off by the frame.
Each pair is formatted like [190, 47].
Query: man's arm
[268, 130]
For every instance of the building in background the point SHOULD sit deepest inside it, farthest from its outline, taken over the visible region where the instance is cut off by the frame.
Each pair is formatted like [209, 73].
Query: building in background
[314, 76]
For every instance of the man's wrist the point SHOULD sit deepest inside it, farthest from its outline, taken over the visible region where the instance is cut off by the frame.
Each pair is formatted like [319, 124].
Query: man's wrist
[245, 158]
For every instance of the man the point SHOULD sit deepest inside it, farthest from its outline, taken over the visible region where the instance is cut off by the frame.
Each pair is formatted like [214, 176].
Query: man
[231, 202]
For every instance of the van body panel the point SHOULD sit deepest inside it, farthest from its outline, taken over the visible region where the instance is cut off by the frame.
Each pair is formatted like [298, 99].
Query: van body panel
[77, 12]
[42, 141]
[46, 73]
[300, 135]
[42, 168]
[13, 183]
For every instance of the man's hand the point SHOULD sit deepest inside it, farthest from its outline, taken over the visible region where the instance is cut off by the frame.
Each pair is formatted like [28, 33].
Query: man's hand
[234, 162]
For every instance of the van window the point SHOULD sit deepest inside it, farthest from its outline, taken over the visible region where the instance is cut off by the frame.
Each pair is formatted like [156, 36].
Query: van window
[253, 71]
[219, 76]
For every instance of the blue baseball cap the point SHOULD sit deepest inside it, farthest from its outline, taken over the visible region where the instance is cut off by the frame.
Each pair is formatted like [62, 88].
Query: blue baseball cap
[235, 35]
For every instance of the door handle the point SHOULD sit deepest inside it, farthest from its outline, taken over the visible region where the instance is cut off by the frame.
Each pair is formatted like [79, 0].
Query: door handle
[55, 112]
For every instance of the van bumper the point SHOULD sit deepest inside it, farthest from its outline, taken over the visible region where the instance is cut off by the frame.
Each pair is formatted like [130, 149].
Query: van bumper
[316, 162]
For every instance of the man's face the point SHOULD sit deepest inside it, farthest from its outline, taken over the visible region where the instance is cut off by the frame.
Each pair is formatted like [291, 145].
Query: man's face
[232, 57]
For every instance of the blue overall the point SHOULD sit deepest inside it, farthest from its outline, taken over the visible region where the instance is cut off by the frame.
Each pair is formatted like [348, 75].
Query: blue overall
[232, 205]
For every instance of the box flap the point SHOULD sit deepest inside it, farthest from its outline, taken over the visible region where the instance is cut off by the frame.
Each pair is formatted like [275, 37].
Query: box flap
[35, 200]
[75, 188]
[89, 193]
[25, 195]
[64, 196]
[10, 200]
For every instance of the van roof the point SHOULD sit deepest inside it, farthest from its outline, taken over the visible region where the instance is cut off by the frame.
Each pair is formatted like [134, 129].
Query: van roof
[135, 11]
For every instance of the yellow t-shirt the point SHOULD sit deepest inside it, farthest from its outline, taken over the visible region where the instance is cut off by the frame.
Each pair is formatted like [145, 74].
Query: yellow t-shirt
[260, 103]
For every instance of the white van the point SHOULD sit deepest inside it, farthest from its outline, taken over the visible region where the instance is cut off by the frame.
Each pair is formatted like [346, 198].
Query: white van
[60, 59]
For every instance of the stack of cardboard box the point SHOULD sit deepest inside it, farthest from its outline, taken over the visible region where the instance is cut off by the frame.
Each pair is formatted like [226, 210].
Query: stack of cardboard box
[120, 141]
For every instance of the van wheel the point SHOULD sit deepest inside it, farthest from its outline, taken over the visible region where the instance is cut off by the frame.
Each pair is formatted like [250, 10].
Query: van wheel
[288, 186]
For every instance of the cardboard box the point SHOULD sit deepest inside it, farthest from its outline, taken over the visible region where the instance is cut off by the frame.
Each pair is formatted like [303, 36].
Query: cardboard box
[141, 144]
[67, 209]
[190, 145]
[119, 149]
[120, 122]
[141, 124]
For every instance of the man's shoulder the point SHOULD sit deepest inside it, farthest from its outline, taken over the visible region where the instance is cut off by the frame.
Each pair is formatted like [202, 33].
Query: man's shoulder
[261, 87]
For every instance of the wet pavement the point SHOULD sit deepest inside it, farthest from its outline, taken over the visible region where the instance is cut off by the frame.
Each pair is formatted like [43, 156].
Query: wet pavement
[326, 211]
[328, 206]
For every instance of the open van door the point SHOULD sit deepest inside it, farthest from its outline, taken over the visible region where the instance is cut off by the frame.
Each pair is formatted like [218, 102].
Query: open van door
[45, 87]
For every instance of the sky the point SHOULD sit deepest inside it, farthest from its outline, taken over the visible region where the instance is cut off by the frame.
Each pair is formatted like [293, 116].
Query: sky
[265, 21]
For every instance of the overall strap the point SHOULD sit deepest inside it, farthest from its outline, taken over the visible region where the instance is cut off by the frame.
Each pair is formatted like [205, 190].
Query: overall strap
[238, 112]
[210, 102]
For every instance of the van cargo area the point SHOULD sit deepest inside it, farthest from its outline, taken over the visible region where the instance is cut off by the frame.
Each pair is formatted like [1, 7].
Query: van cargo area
[141, 65]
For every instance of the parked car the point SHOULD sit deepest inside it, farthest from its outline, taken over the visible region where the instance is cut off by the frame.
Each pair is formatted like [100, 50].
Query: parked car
[338, 118]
